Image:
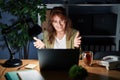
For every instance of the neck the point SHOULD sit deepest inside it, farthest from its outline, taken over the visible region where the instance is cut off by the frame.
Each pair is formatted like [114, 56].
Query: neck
[60, 35]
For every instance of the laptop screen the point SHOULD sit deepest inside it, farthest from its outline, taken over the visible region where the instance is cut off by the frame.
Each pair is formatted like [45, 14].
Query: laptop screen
[57, 59]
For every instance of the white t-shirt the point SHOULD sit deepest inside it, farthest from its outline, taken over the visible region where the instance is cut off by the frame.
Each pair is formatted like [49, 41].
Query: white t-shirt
[60, 43]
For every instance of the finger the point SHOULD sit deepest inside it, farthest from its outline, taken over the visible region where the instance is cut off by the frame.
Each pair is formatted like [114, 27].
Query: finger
[79, 37]
[77, 34]
[39, 47]
[76, 46]
[34, 43]
[35, 38]
[77, 40]
[78, 43]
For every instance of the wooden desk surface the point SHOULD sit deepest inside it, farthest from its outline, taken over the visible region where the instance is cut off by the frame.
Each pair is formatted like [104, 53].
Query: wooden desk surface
[95, 72]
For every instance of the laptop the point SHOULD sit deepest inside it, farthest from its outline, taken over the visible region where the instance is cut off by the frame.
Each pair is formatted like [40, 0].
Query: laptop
[58, 59]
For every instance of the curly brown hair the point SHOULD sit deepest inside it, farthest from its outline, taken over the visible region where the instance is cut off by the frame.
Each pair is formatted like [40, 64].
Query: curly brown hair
[59, 11]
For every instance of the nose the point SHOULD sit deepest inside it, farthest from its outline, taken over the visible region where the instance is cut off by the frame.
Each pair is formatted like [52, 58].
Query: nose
[60, 23]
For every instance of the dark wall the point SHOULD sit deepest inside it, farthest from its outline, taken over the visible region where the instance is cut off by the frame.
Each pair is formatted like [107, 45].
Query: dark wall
[97, 24]
[93, 20]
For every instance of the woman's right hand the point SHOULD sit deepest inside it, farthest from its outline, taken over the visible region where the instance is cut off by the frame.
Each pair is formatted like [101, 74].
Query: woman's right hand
[38, 43]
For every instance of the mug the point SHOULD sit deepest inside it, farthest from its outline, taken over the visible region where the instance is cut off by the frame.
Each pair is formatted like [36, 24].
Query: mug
[87, 57]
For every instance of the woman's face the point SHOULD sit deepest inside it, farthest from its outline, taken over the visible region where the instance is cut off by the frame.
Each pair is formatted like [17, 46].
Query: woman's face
[58, 24]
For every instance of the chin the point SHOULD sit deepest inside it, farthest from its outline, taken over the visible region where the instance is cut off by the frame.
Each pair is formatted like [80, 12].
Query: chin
[60, 30]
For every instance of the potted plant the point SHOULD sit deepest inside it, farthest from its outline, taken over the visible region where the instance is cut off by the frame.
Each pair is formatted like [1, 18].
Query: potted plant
[78, 73]
[26, 11]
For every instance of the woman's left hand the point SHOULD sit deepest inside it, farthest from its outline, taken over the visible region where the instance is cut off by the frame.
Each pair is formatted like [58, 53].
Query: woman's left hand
[77, 40]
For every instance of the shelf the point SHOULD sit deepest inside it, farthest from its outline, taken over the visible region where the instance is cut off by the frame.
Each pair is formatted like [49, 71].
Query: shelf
[52, 5]
[98, 36]
[93, 4]
[49, 6]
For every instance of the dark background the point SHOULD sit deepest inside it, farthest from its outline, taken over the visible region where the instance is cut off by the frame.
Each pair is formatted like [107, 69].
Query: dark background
[90, 20]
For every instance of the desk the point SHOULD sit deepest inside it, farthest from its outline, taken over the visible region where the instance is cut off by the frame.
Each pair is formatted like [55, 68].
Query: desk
[95, 72]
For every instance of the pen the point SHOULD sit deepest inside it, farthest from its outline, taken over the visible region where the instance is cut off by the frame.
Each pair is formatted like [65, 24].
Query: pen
[22, 66]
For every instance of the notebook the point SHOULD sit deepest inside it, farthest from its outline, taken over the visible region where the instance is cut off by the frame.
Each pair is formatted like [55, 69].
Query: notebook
[30, 74]
[57, 59]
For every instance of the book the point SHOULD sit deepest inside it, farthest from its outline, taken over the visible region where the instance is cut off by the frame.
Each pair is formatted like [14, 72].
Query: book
[11, 75]
[24, 75]
[110, 64]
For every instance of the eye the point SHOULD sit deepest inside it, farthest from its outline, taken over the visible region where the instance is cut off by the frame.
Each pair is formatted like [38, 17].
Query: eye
[54, 21]
[62, 21]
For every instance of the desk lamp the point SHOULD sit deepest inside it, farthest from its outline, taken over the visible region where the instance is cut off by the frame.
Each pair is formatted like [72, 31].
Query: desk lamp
[33, 30]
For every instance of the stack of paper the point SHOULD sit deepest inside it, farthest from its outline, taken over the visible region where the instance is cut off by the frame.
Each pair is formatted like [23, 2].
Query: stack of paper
[110, 64]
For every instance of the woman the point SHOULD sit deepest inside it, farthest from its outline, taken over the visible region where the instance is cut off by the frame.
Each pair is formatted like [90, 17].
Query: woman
[59, 34]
